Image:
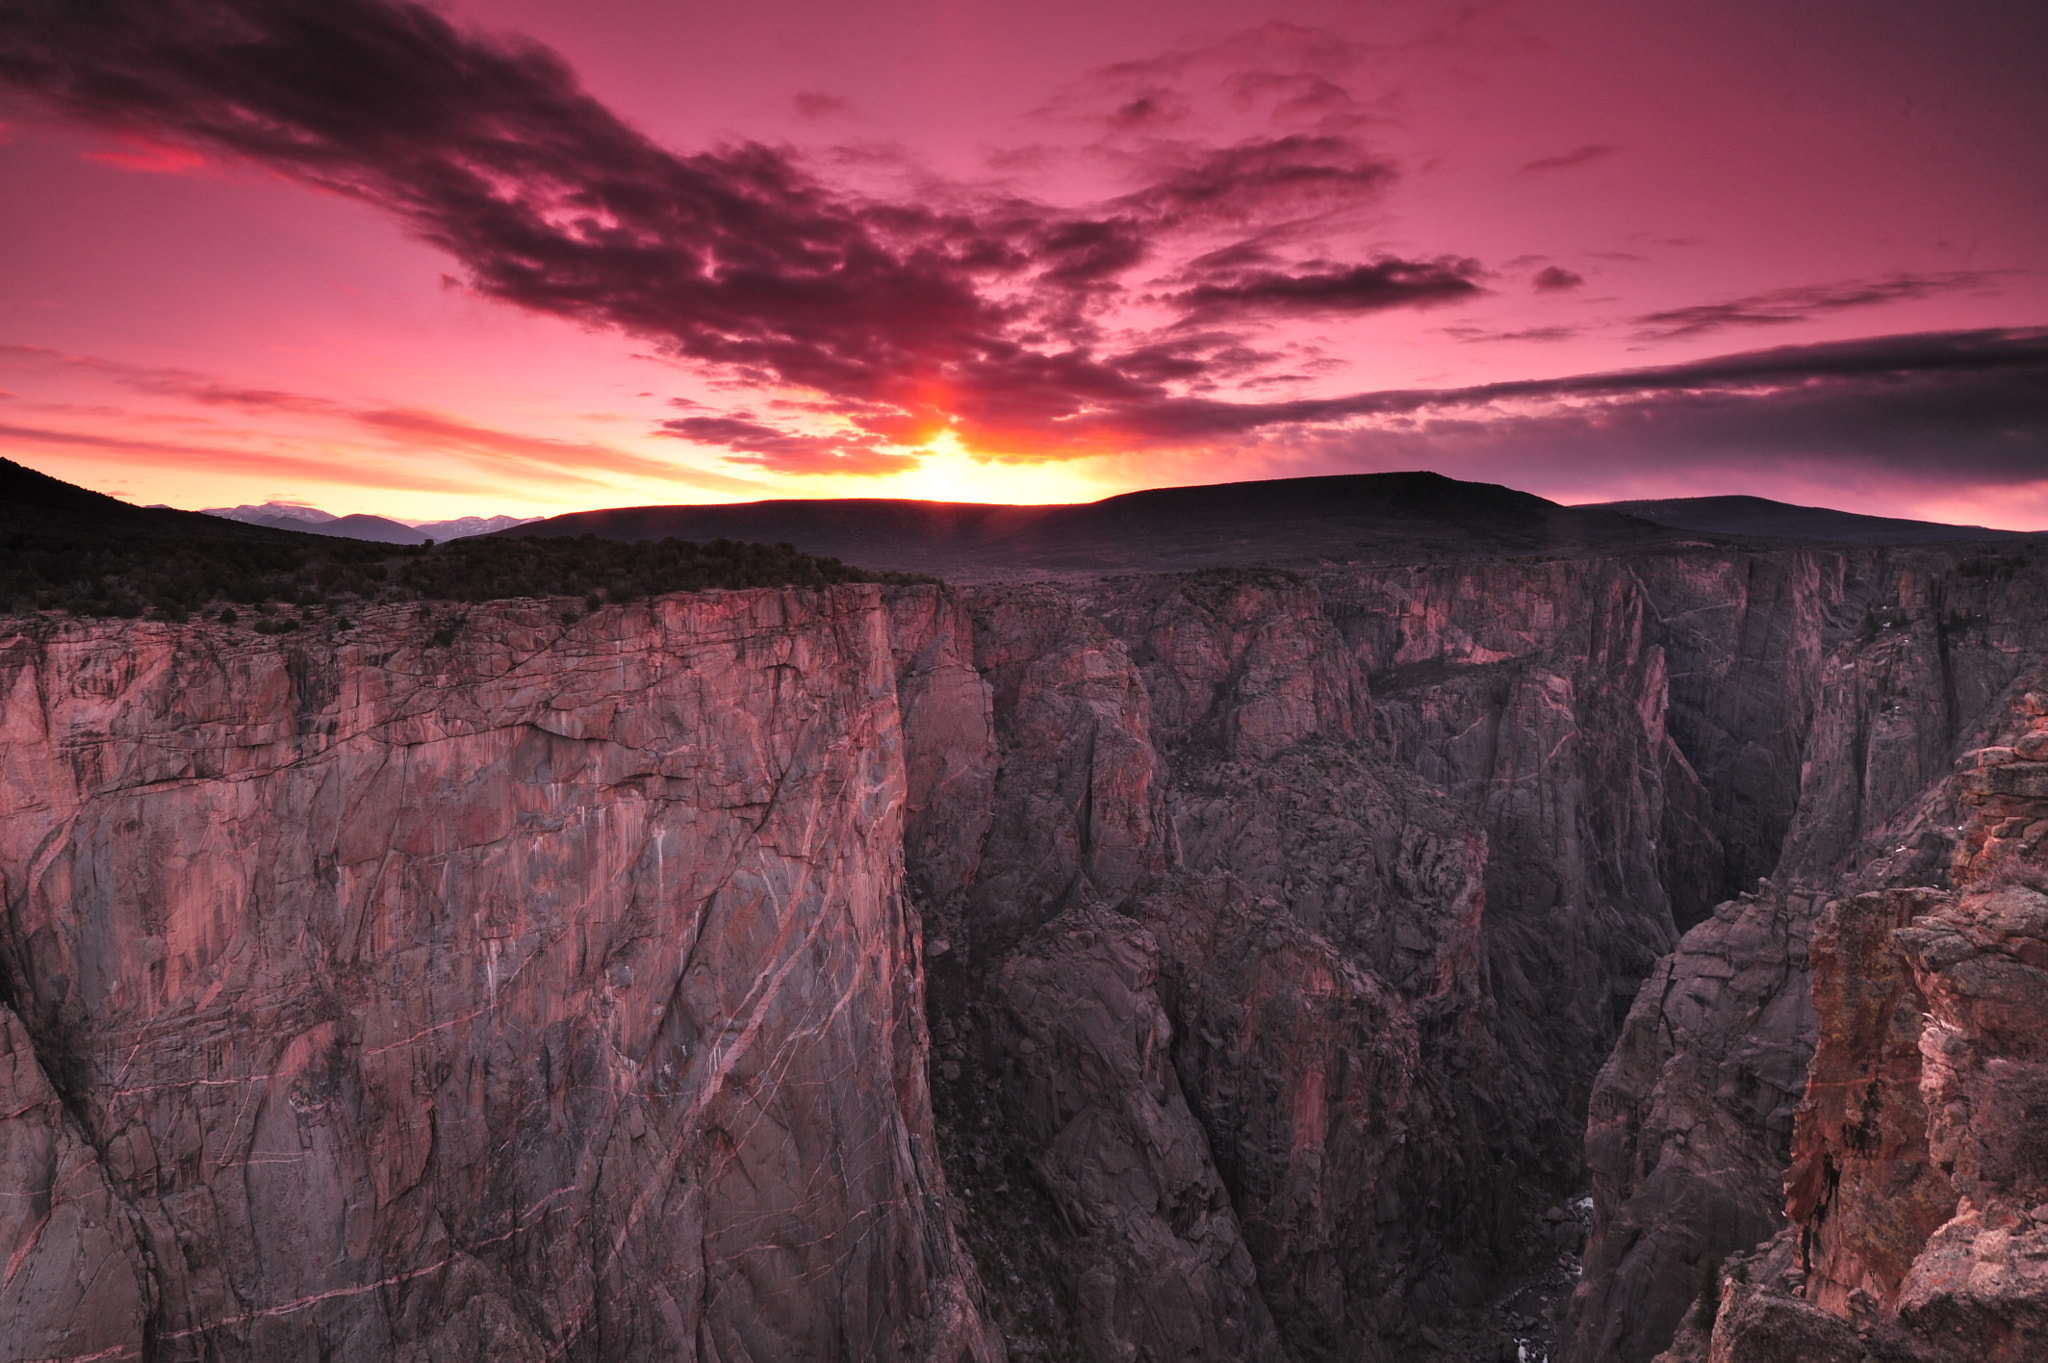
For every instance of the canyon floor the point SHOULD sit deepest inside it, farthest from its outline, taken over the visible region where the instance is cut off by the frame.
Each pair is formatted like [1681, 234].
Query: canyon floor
[1352, 919]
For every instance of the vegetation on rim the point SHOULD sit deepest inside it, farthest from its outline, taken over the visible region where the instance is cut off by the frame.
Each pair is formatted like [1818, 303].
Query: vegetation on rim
[63, 548]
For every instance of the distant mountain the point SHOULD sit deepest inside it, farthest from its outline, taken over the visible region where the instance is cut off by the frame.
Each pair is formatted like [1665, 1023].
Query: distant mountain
[1357, 518]
[36, 504]
[1782, 520]
[377, 529]
[464, 526]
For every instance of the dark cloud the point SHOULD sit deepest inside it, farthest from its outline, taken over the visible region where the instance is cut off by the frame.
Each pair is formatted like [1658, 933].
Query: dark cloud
[1780, 307]
[1577, 156]
[1968, 401]
[1153, 107]
[1473, 335]
[1259, 179]
[906, 317]
[786, 451]
[1555, 278]
[1385, 283]
[1941, 416]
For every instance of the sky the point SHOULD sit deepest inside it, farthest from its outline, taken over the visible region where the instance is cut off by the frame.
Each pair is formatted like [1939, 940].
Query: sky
[527, 256]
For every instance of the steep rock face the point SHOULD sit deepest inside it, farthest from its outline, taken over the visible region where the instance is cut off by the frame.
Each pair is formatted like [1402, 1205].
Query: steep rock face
[494, 1001]
[1745, 637]
[74, 1283]
[1535, 694]
[1919, 1186]
[1979, 1288]
[1927, 671]
[1084, 1047]
[1176, 775]
[1919, 1194]
[1861, 1188]
[1154, 733]
[949, 741]
[1691, 1118]
[1359, 1180]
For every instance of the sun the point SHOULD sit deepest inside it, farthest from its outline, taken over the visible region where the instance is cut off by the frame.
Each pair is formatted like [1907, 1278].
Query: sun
[950, 473]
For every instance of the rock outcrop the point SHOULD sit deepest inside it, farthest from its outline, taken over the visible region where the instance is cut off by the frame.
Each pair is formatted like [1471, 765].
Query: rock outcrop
[1692, 1120]
[1918, 1187]
[1929, 670]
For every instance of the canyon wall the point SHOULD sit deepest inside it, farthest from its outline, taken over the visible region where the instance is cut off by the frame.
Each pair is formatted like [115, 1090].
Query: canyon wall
[1446, 801]
[550, 994]
[1208, 965]
[1692, 1128]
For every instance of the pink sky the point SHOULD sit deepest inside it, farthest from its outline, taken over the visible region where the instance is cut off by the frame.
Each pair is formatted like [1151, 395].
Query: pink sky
[398, 261]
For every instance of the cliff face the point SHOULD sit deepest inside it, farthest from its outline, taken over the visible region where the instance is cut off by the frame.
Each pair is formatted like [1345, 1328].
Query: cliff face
[1690, 1129]
[1204, 984]
[1210, 965]
[1440, 803]
[1916, 1166]
[502, 1000]
[1691, 1120]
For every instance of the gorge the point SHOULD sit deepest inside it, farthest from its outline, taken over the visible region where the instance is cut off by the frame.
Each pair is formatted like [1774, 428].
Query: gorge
[1249, 933]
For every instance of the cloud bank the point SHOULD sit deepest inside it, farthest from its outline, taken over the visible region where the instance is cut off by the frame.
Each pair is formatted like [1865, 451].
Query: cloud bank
[1024, 330]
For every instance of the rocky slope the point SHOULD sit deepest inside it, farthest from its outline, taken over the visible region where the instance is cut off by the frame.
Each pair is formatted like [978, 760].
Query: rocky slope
[1199, 965]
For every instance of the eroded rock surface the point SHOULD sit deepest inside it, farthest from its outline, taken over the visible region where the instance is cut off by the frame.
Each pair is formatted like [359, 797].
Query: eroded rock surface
[1245, 944]
[1692, 1120]
[1919, 681]
[547, 995]
[1918, 1191]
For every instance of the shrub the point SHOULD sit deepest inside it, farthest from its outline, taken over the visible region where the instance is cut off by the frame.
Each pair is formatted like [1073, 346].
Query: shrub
[1708, 1306]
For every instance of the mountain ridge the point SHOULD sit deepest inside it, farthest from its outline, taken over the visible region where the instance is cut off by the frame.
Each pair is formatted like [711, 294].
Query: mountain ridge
[298, 516]
[1287, 522]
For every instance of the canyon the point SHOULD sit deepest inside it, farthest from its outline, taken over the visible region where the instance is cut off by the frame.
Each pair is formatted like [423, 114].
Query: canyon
[1408, 947]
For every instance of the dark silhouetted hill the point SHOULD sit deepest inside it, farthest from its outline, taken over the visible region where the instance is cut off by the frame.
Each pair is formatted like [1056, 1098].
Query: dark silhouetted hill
[1744, 517]
[1360, 518]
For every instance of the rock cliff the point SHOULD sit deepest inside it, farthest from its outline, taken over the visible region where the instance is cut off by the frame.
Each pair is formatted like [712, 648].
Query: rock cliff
[1211, 964]
[1690, 1130]
[1915, 1167]
[548, 994]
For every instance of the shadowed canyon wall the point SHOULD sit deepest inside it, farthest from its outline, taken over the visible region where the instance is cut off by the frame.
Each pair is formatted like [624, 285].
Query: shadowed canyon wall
[1707, 1107]
[1206, 965]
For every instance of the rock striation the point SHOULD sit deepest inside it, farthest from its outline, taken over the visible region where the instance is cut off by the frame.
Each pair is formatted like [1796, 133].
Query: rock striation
[505, 1000]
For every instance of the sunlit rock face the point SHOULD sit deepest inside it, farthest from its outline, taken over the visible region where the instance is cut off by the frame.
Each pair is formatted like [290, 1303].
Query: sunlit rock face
[545, 994]
[1690, 1126]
